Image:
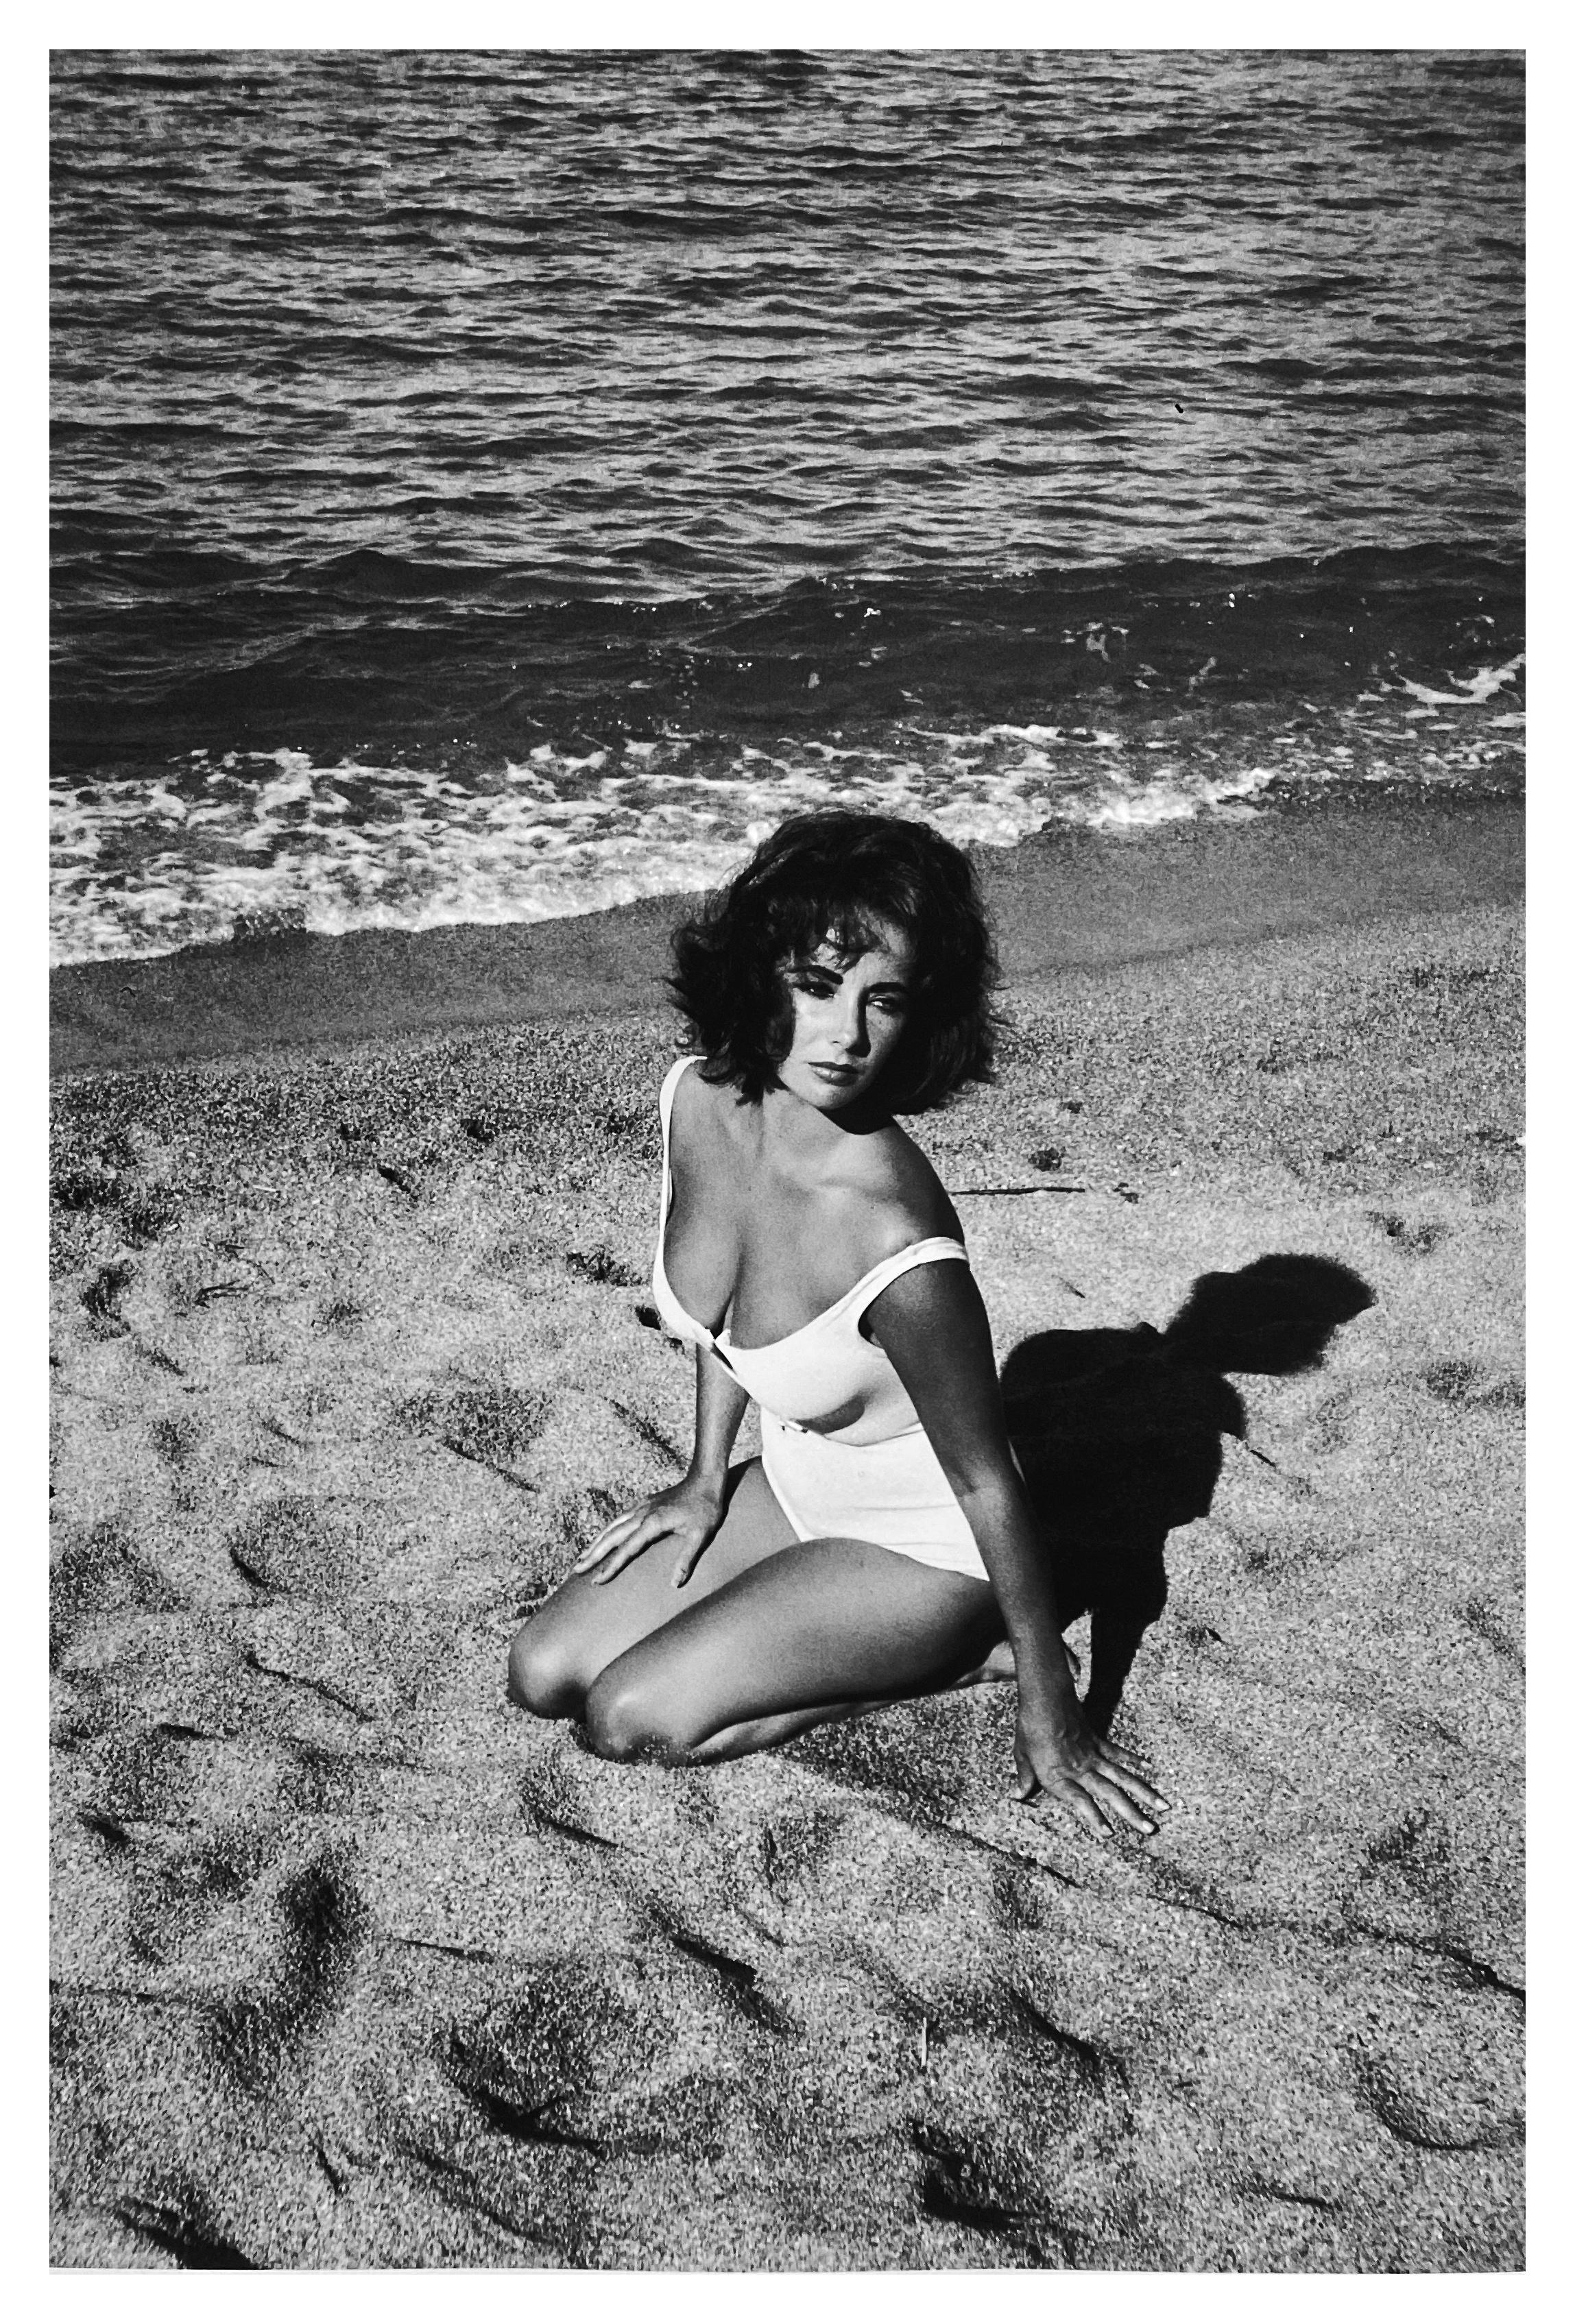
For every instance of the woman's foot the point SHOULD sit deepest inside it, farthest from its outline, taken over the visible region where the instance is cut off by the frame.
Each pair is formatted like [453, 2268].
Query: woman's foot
[1002, 1662]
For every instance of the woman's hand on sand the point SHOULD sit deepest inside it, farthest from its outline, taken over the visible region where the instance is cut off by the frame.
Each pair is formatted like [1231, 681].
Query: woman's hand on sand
[1060, 1756]
[689, 1514]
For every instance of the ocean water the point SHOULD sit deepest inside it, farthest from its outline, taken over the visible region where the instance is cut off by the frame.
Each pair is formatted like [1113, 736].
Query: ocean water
[492, 485]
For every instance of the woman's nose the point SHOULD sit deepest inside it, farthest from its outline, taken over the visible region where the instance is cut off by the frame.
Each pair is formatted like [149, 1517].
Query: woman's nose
[852, 1026]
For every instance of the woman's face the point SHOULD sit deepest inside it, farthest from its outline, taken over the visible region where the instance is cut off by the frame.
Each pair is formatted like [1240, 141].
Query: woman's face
[849, 1009]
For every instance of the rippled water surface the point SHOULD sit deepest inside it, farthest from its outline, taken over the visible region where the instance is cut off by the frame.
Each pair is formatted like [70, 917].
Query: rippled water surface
[491, 485]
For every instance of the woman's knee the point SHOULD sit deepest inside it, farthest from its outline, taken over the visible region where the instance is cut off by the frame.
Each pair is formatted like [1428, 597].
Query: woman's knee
[625, 1718]
[542, 1675]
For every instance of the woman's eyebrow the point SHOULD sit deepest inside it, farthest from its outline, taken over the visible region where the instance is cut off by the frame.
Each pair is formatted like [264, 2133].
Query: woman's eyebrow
[809, 964]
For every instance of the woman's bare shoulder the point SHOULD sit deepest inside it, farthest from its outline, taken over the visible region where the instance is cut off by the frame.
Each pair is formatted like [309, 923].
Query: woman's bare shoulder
[707, 1116]
[903, 1194]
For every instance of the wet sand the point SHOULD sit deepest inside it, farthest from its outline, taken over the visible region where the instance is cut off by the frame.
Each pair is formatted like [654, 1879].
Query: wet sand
[358, 1965]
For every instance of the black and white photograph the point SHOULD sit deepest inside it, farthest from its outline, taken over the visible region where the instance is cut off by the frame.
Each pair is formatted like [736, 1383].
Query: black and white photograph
[787, 1140]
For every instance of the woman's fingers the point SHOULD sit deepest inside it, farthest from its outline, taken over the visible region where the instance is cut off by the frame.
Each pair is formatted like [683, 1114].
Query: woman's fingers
[602, 1546]
[1096, 1805]
[1086, 1810]
[614, 1562]
[688, 1559]
[616, 1543]
[1121, 1771]
[1124, 1770]
[608, 1538]
[1113, 1802]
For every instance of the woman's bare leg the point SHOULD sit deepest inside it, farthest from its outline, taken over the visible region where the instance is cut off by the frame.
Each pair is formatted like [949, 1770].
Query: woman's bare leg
[819, 1630]
[587, 1624]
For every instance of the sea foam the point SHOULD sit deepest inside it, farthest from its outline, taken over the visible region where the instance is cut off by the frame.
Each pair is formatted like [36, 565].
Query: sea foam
[189, 853]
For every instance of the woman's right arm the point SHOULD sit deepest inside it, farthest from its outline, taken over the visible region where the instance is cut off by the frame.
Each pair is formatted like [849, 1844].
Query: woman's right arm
[690, 1512]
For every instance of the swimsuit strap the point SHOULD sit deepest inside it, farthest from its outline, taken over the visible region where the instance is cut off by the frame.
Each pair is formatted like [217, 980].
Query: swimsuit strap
[916, 1254]
[675, 1073]
[666, 1297]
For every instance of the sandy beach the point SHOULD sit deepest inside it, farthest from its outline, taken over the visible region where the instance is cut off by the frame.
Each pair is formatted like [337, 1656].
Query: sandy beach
[354, 1965]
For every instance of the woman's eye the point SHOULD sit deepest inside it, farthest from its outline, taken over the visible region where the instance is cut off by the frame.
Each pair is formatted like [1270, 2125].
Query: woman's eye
[818, 988]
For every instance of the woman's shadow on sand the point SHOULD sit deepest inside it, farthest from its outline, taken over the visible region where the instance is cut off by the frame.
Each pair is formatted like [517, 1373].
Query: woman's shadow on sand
[1120, 1435]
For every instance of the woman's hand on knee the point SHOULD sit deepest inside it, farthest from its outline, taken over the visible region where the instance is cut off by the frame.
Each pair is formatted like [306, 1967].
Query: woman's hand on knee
[689, 1514]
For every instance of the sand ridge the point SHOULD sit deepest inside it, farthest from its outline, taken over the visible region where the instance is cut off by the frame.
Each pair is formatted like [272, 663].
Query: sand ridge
[355, 1965]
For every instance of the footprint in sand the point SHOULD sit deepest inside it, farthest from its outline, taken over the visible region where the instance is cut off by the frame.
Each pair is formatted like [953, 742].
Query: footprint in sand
[487, 1422]
[1418, 1240]
[99, 1571]
[1461, 1382]
[561, 2060]
[309, 1933]
[291, 1547]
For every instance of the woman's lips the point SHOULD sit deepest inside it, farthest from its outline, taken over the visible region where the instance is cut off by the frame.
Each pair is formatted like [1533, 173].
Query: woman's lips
[839, 1074]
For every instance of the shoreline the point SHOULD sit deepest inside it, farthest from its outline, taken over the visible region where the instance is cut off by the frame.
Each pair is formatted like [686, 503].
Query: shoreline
[1062, 899]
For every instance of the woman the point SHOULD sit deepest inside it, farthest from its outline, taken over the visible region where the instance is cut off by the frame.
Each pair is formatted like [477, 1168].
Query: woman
[881, 1545]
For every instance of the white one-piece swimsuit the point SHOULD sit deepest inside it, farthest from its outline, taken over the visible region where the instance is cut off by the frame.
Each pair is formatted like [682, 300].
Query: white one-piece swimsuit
[842, 1447]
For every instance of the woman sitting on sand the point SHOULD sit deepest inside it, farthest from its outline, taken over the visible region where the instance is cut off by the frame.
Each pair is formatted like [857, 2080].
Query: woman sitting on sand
[881, 1545]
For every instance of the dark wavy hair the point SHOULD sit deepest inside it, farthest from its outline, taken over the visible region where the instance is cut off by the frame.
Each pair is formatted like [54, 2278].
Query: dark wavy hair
[835, 876]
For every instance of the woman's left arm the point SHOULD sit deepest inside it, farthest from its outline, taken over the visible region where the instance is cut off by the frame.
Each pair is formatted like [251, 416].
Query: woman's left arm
[932, 1323]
